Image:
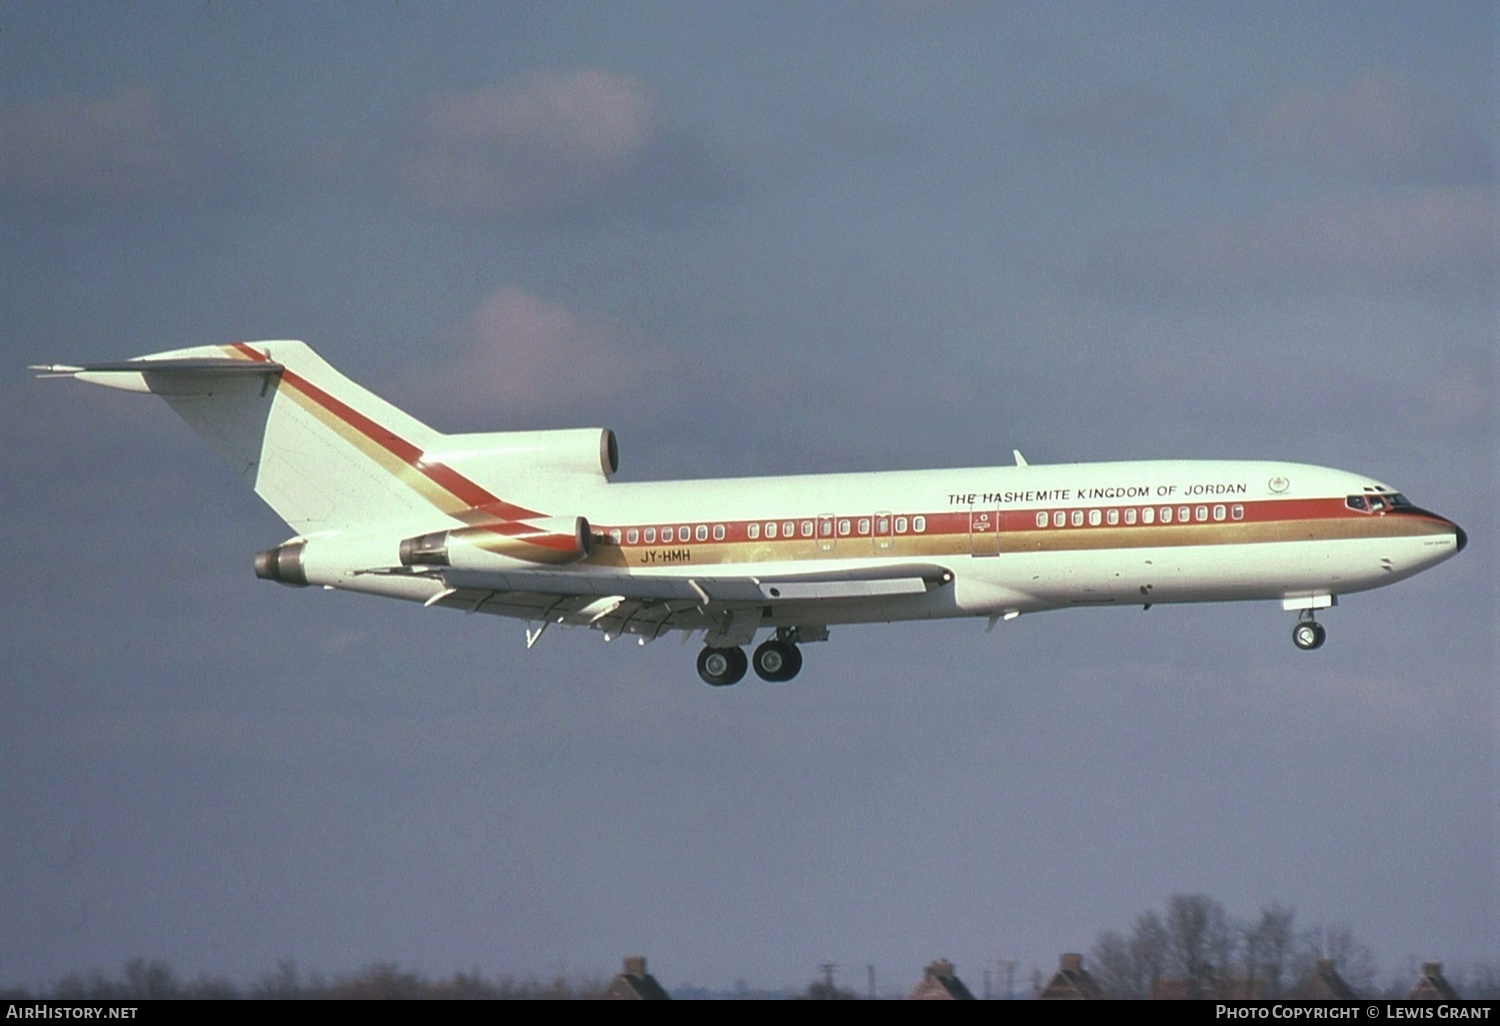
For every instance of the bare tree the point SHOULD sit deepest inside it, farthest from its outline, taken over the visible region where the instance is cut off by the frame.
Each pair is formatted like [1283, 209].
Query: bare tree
[1114, 967]
[1201, 940]
[1269, 950]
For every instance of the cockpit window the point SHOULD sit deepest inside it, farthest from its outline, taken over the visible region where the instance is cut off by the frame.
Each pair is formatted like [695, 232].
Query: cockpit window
[1378, 502]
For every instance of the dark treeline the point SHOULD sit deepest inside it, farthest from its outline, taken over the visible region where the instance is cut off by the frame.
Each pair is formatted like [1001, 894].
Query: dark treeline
[1194, 949]
[141, 979]
[1191, 948]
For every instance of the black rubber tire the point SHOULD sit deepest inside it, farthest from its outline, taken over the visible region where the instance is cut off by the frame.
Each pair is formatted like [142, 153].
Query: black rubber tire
[1308, 635]
[777, 661]
[721, 667]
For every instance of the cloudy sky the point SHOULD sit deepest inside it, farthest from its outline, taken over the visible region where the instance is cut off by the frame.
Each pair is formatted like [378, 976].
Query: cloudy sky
[752, 238]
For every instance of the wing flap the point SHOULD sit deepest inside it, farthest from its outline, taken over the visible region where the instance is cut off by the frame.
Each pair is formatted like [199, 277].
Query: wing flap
[864, 582]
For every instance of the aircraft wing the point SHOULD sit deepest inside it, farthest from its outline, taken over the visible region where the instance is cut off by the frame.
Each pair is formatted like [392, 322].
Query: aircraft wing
[649, 605]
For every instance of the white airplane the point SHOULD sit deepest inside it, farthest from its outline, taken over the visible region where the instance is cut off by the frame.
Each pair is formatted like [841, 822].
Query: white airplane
[527, 524]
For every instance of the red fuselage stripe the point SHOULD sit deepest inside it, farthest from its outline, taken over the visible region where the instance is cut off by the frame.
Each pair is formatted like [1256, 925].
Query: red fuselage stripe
[444, 477]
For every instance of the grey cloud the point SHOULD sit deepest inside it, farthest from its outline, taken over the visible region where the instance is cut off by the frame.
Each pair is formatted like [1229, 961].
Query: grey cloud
[1132, 119]
[123, 149]
[1379, 128]
[1430, 238]
[550, 143]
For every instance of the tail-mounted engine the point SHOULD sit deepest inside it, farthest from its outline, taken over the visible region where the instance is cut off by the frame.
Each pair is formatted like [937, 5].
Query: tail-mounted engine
[546, 540]
[283, 564]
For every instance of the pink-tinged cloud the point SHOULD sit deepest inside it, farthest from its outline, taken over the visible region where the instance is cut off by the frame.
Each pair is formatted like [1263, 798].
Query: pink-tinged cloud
[547, 143]
[121, 149]
[533, 356]
[1378, 128]
[1432, 238]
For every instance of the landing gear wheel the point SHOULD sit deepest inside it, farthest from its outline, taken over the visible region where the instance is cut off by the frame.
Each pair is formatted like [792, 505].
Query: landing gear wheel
[777, 661]
[1308, 635]
[721, 667]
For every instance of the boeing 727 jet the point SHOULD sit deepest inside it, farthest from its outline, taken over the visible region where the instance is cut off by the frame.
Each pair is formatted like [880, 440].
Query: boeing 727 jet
[528, 524]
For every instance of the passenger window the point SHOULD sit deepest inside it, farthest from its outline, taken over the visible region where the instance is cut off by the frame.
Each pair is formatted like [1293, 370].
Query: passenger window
[752, 531]
[1166, 514]
[919, 524]
[702, 532]
[650, 536]
[666, 534]
[825, 527]
[1093, 518]
[771, 529]
[788, 529]
[843, 528]
[1130, 516]
[1237, 512]
[1148, 515]
[864, 525]
[633, 535]
[1078, 518]
[1041, 518]
[1112, 517]
[882, 525]
[1218, 512]
[614, 536]
[1200, 514]
[1182, 514]
[900, 525]
[807, 528]
[1059, 519]
[718, 532]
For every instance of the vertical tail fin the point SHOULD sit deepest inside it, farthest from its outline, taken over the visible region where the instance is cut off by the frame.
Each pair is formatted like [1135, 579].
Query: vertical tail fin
[322, 452]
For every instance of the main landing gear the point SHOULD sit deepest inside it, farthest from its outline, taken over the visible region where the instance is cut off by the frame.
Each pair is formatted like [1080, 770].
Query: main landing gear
[1307, 633]
[777, 660]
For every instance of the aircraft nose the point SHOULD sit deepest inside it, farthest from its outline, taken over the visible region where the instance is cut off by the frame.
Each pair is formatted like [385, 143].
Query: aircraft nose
[1461, 535]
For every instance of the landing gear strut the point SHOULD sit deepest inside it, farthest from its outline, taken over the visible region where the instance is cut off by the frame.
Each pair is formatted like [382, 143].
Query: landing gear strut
[1307, 633]
[721, 667]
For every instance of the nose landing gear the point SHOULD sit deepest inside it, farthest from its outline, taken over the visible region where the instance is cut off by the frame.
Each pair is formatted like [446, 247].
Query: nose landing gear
[1307, 633]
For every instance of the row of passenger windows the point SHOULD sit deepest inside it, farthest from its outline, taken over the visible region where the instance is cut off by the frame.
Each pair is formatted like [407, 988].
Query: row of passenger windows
[824, 527]
[845, 526]
[685, 533]
[1145, 515]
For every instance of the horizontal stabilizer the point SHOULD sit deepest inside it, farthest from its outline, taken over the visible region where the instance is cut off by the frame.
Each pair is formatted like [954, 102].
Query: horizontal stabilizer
[213, 365]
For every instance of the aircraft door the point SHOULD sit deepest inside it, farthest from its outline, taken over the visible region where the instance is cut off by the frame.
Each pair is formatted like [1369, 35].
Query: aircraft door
[984, 531]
